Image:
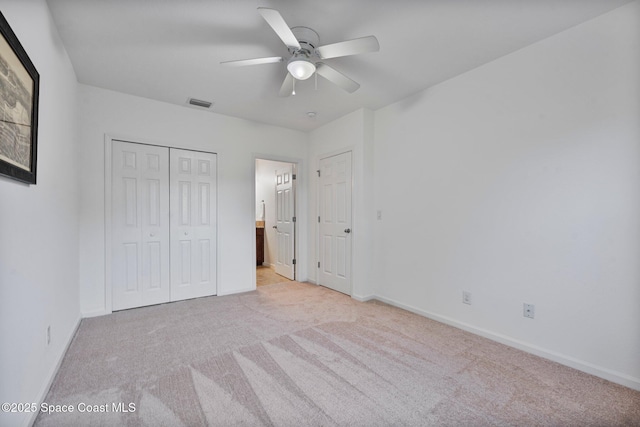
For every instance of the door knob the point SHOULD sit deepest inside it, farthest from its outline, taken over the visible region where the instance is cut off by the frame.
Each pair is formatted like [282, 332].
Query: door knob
[152, 234]
[186, 233]
[347, 230]
[275, 226]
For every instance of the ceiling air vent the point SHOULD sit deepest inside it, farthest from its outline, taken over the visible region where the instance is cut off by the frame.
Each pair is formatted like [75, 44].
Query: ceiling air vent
[200, 103]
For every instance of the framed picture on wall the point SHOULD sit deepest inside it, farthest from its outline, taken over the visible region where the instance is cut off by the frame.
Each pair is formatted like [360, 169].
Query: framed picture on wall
[19, 84]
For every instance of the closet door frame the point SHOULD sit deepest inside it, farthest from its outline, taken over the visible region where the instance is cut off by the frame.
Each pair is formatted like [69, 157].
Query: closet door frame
[108, 175]
[108, 159]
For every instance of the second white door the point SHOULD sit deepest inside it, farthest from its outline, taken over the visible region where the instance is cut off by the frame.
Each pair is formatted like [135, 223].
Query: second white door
[335, 222]
[285, 225]
[192, 202]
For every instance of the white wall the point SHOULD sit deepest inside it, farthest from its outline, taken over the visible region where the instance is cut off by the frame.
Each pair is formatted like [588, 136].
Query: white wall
[519, 181]
[39, 225]
[266, 190]
[237, 143]
[353, 132]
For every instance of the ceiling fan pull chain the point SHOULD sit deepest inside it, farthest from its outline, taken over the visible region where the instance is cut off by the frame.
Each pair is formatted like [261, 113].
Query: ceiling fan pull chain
[316, 78]
[293, 92]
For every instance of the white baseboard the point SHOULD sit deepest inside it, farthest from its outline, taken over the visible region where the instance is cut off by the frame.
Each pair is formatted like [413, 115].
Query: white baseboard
[52, 374]
[95, 313]
[236, 291]
[363, 298]
[581, 365]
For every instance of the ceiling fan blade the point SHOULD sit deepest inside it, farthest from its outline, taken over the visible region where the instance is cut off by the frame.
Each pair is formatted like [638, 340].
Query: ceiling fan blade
[287, 86]
[349, 47]
[337, 78]
[276, 21]
[255, 61]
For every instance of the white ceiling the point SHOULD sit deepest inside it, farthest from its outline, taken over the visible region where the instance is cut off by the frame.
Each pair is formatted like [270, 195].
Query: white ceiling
[170, 50]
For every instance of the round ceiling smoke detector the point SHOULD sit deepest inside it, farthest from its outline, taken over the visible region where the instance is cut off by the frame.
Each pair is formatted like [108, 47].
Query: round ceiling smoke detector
[311, 114]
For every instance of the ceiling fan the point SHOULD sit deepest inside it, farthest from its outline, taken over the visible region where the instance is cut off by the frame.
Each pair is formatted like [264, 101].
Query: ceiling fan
[306, 54]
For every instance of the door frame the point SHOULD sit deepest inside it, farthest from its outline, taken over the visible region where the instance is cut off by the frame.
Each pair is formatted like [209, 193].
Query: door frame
[108, 160]
[301, 217]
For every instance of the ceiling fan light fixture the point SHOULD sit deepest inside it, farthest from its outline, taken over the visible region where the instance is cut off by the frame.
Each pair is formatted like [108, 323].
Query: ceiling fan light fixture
[301, 68]
[303, 44]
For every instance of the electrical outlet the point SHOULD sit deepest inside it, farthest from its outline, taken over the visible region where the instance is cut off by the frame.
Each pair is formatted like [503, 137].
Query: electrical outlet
[466, 297]
[48, 335]
[528, 310]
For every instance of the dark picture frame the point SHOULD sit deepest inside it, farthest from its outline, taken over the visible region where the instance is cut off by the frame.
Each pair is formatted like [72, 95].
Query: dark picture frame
[19, 90]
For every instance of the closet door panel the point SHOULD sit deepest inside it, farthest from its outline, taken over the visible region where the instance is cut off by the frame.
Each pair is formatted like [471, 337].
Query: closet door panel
[193, 224]
[140, 225]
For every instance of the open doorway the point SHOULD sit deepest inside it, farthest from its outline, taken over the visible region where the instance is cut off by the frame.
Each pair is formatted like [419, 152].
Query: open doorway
[275, 221]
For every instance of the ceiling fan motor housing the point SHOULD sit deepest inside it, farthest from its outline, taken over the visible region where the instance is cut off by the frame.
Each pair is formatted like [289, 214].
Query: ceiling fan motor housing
[309, 40]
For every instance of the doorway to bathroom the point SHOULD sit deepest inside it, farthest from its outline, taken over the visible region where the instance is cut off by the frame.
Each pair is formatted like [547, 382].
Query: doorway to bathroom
[275, 221]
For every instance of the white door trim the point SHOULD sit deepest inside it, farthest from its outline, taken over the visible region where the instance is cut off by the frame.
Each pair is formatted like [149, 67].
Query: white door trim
[108, 146]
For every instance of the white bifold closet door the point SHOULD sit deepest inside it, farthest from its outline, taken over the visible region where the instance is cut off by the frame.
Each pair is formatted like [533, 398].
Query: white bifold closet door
[163, 222]
[193, 224]
[140, 225]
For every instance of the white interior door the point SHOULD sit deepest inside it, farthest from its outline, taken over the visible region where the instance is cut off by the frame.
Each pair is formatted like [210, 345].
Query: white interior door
[193, 224]
[140, 225]
[335, 222]
[285, 225]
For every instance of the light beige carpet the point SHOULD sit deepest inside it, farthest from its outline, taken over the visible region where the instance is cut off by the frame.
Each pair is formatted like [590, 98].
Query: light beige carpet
[294, 354]
[268, 276]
